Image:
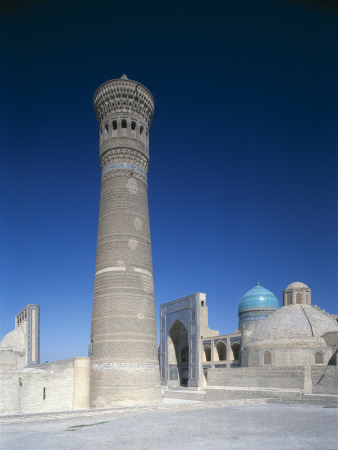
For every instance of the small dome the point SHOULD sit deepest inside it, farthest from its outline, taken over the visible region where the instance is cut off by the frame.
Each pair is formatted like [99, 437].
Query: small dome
[258, 298]
[14, 340]
[297, 285]
[294, 323]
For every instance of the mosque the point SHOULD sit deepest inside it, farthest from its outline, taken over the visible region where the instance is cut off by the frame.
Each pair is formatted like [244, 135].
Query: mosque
[296, 335]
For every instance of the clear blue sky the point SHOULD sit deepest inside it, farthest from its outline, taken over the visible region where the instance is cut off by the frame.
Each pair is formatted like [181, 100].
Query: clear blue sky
[243, 158]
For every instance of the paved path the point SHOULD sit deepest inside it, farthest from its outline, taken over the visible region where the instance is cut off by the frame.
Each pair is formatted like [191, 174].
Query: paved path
[251, 426]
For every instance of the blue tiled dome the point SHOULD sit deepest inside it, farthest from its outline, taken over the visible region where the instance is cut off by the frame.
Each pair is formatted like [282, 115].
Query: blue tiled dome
[258, 298]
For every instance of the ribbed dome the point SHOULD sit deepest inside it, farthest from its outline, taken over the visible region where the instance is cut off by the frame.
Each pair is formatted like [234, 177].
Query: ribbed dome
[297, 285]
[258, 298]
[300, 324]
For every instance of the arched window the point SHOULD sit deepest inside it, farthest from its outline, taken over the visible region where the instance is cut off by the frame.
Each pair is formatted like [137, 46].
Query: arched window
[133, 125]
[266, 358]
[299, 298]
[289, 298]
[221, 351]
[114, 125]
[124, 123]
[235, 350]
[141, 130]
[319, 358]
[106, 128]
[207, 353]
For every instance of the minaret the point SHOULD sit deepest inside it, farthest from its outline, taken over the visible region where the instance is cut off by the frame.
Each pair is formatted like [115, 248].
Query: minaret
[124, 357]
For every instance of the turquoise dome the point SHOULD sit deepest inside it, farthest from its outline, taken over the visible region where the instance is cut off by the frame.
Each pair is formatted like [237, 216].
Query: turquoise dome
[258, 298]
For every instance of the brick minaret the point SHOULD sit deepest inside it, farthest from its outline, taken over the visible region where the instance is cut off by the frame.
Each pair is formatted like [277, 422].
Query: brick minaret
[124, 362]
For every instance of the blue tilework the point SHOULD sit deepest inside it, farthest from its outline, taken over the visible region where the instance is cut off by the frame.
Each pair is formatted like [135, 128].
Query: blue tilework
[182, 316]
[250, 319]
[124, 166]
[258, 298]
[254, 316]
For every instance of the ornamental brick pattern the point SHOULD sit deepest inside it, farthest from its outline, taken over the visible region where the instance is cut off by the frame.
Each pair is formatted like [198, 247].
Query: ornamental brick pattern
[123, 346]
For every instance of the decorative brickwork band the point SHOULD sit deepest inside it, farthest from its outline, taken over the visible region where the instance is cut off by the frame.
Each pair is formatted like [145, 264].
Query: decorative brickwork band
[123, 166]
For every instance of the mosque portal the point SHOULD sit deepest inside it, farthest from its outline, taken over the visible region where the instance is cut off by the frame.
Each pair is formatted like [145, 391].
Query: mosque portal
[178, 353]
[184, 322]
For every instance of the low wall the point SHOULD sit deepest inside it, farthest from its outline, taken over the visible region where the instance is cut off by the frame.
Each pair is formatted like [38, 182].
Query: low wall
[57, 386]
[252, 382]
[281, 378]
[324, 380]
[233, 393]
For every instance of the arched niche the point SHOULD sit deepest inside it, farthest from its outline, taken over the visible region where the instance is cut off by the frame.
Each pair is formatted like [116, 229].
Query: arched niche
[235, 351]
[178, 351]
[207, 353]
[220, 351]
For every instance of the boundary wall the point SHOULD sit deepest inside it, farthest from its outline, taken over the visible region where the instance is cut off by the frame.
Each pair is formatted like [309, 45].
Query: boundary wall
[57, 386]
[286, 383]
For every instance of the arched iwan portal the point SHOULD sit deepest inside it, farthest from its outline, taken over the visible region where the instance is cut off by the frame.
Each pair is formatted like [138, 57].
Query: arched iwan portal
[178, 352]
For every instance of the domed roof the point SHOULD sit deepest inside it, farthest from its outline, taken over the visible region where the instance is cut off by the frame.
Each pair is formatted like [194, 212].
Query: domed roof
[14, 340]
[297, 324]
[297, 285]
[258, 298]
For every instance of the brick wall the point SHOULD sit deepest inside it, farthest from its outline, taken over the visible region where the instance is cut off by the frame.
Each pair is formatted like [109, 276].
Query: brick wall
[46, 387]
[324, 380]
[283, 378]
[236, 394]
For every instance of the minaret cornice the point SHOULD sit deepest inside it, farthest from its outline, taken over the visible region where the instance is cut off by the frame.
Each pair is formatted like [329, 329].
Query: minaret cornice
[122, 96]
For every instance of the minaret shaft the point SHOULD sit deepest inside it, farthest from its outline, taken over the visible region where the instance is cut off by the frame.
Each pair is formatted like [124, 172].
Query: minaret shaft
[124, 362]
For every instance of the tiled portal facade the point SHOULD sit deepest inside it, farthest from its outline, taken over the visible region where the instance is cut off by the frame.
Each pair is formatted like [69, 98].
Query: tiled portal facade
[179, 345]
[188, 347]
